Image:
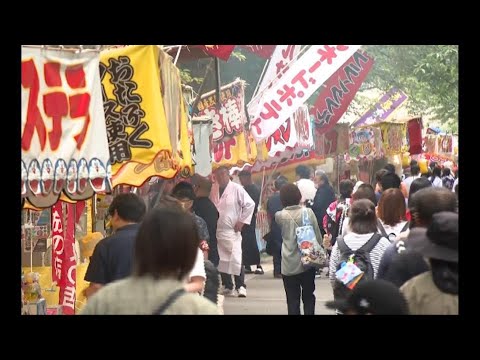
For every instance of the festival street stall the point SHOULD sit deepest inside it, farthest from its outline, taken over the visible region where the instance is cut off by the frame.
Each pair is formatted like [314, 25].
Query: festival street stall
[91, 124]
[64, 156]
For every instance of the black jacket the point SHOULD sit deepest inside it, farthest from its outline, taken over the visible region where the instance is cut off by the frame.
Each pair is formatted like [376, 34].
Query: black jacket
[324, 197]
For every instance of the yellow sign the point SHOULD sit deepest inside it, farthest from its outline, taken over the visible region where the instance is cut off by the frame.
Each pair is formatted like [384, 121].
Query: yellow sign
[134, 113]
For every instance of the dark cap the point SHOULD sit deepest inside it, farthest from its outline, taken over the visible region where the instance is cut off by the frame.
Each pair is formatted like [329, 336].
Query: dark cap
[376, 297]
[440, 240]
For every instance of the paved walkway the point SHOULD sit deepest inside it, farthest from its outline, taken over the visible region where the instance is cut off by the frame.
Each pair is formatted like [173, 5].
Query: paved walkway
[266, 295]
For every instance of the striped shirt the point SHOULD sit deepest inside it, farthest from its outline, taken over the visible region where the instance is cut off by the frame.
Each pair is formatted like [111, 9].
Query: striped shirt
[355, 242]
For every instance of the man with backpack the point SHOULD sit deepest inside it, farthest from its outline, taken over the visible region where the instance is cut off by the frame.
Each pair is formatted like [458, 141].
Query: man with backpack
[363, 248]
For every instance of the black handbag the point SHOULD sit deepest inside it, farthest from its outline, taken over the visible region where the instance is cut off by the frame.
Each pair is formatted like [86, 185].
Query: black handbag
[270, 246]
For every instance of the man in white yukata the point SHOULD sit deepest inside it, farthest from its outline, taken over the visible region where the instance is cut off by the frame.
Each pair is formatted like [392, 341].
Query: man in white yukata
[235, 208]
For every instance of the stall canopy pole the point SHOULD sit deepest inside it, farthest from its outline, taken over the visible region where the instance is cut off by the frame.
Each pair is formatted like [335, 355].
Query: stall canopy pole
[338, 174]
[260, 79]
[262, 189]
[29, 212]
[200, 91]
[217, 78]
[178, 55]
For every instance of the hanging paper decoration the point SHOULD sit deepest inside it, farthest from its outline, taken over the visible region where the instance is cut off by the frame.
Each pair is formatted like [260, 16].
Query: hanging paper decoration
[362, 143]
[445, 144]
[415, 136]
[394, 138]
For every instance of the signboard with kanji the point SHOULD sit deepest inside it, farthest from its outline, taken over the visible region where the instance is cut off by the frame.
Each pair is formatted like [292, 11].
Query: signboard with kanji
[64, 141]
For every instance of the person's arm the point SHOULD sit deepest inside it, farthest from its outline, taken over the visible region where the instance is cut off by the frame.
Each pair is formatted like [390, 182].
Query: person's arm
[332, 267]
[313, 220]
[195, 285]
[97, 270]
[386, 260]
[247, 208]
[91, 289]
[345, 225]
[204, 235]
[197, 276]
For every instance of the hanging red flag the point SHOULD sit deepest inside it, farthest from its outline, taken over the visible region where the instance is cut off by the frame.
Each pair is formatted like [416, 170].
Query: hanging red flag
[263, 51]
[221, 51]
[195, 52]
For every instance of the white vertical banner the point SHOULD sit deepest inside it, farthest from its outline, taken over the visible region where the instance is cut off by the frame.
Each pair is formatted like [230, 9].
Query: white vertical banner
[203, 159]
[296, 85]
[277, 66]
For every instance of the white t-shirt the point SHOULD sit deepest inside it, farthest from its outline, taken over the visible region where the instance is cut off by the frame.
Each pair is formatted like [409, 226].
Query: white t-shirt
[408, 182]
[307, 189]
[455, 183]
[437, 182]
[198, 267]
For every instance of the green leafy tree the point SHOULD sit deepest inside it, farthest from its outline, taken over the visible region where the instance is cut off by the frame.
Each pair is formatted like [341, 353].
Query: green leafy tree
[428, 74]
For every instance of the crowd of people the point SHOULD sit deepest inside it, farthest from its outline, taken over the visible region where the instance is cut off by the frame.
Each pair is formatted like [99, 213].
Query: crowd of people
[197, 241]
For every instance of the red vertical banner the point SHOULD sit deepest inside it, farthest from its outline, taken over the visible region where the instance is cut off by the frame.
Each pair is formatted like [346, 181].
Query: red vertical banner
[340, 89]
[58, 243]
[69, 268]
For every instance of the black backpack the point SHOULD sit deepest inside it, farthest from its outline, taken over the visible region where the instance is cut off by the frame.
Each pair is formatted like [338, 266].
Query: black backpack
[361, 258]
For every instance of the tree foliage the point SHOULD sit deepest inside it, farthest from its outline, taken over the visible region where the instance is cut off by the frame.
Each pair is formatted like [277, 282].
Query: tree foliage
[428, 74]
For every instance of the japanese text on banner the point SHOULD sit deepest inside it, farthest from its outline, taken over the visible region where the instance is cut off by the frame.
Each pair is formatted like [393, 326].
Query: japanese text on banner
[230, 118]
[231, 145]
[64, 140]
[68, 285]
[134, 111]
[57, 242]
[305, 76]
[283, 138]
[277, 66]
[340, 90]
[383, 109]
